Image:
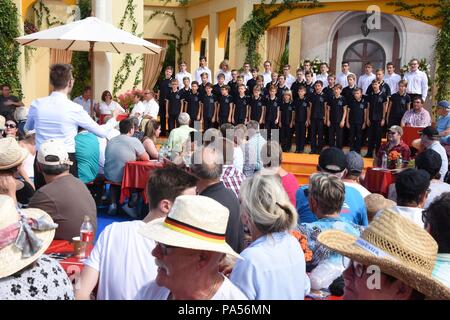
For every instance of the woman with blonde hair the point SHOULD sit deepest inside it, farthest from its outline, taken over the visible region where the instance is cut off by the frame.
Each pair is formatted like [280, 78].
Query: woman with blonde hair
[274, 265]
[151, 132]
[224, 68]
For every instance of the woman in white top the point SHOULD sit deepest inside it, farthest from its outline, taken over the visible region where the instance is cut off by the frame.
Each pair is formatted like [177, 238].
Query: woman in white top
[224, 68]
[108, 105]
[151, 132]
[138, 108]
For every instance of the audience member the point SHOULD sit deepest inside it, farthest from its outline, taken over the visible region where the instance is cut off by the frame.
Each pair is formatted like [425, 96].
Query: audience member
[179, 135]
[376, 202]
[355, 167]
[252, 149]
[152, 131]
[87, 153]
[394, 143]
[430, 140]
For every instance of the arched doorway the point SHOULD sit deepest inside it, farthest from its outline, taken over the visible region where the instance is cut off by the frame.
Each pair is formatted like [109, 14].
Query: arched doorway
[362, 51]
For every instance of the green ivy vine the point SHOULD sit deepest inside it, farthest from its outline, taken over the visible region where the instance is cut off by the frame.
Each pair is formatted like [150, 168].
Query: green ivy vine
[128, 62]
[9, 48]
[442, 43]
[253, 29]
[41, 11]
[180, 38]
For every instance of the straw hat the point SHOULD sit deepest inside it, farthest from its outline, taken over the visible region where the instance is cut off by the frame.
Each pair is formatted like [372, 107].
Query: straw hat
[376, 202]
[398, 246]
[11, 259]
[194, 222]
[11, 154]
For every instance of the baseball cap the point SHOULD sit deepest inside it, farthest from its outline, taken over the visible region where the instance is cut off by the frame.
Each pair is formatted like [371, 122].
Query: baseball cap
[2, 122]
[355, 163]
[430, 132]
[397, 129]
[332, 160]
[444, 104]
[53, 148]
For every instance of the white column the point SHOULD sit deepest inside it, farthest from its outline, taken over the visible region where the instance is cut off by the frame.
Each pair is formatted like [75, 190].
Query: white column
[103, 61]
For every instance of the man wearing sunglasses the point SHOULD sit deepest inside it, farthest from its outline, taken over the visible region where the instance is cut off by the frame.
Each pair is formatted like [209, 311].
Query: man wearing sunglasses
[394, 143]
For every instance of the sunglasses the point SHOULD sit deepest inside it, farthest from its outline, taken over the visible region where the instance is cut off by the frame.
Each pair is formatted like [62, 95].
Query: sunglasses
[391, 132]
[10, 125]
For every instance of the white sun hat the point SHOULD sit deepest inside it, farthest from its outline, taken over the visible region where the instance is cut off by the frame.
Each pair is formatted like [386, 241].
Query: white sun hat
[194, 222]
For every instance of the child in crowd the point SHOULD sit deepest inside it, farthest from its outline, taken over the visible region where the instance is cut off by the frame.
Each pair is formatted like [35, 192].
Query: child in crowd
[300, 116]
[217, 87]
[272, 114]
[208, 106]
[376, 117]
[257, 106]
[286, 121]
[225, 106]
[336, 115]
[399, 103]
[356, 119]
[252, 82]
[174, 104]
[192, 103]
[185, 91]
[241, 106]
[316, 117]
[282, 87]
[309, 84]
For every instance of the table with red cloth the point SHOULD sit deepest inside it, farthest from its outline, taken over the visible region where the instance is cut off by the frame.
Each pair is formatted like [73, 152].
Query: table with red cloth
[378, 180]
[410, 134]
[120, 117]
[71, 264]
[135, 176]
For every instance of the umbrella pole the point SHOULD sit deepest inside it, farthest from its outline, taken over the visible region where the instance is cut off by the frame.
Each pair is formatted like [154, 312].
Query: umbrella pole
[91, 55]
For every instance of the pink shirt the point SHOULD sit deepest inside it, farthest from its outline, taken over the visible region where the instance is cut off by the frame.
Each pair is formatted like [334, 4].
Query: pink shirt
[290, 184]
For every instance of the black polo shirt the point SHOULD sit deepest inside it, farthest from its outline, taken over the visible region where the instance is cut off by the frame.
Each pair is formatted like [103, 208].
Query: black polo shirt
[234, 234]
[356, 110]
[256, 108]
[233, 88]
[174, 99]
[384, 88]
[217, 90]
[318, 106]
[399, 105]
[272, 107]
[270, 84]
[347, 92]
[185, 93]
[240, 109]
[250, 85]
[193, 104]
[224, 104]
[294, 88]
[202, 90]
[286, 113]
[301, 109]
[281, 91]
[208, 106]
[376, 102]
[309, 89]
[337, 108]
[164, 89]
[329, 93]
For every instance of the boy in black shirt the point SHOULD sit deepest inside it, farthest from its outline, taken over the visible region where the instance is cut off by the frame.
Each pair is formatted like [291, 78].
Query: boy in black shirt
[272, 114]
[240, 115]
[233, 83]
[174, 103]
[208, 107]
[376, 117]
[286, 121]
[274, 81]
[192, 104]
[260, 83]
[347, 92]
[225, 106]
[300, 81]
[281, 88]
[300, 116]
[257, 106]
[399, 103]
[384, 87]
[202, 87]
[164, 89]
[217, 87]
[309, 84]
[252, 82]
[356, 119]
[185, 92]
[336, 115]
[316, 117]
[328, 91]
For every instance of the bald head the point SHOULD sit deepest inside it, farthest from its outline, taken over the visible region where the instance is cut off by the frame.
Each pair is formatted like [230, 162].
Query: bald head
[207, 163]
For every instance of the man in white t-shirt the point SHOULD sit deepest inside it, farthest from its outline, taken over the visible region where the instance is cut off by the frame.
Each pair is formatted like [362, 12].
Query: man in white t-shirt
[182, 74]
[121, 262]
[190, 249]
[202, 68]
[342, 77]
[365, 80]
[267, 72]
[391, 78]
[150, 104]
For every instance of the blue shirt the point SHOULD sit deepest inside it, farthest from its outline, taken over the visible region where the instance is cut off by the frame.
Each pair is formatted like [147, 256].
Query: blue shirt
[273, 269]
[353, 210]
[87, 153]
[442, 124]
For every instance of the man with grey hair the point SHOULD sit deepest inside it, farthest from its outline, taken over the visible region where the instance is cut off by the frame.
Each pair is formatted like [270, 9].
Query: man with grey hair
[333, 161]
[179, 135]
[355, 167]
[252, 149]
[326, 198]
[207, 167]
[65, 198]
[429, 139]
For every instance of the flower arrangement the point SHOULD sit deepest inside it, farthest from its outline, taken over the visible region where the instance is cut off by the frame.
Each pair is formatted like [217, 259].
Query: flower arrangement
[126, 100]
[394, 160]
[315, 64]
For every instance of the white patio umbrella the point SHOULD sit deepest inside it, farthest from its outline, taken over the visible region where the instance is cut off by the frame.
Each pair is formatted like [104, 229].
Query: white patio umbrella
[93, 35]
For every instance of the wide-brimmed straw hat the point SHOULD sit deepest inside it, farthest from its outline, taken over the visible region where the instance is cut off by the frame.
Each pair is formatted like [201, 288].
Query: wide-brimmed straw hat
[398, 246]
[12, 258]
[194, 222]
[11, 154]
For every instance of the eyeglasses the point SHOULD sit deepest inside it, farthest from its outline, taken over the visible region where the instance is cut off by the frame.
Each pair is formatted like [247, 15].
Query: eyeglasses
[391, 132]
[10, 125]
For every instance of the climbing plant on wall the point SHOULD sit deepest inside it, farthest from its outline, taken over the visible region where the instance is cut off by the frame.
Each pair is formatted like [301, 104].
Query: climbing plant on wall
[442, 44]
[254, 28]
[181, 38]
[128, 62]
[9, 48]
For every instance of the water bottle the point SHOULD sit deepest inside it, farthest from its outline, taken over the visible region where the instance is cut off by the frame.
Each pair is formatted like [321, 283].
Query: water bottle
[384, 163]
[86, 237]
